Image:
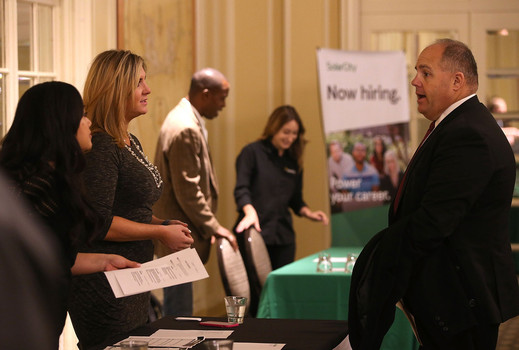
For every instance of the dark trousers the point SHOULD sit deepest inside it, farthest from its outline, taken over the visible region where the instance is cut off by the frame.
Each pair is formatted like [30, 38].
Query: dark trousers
[281, 255]
[482, 337]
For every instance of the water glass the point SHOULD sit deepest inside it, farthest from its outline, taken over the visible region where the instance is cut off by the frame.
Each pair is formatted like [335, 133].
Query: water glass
[350, 262]
[324, 263]
[235, 307]
[134, 345]
[217, 344]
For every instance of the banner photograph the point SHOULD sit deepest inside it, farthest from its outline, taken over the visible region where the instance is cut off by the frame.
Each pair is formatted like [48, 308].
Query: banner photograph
[365, 112]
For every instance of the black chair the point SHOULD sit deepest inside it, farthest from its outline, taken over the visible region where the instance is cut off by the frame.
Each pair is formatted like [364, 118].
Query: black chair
[258, 264]
[257, 257]
[232, 270]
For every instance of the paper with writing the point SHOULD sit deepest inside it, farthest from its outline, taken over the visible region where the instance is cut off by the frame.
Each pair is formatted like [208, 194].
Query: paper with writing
[177, 268]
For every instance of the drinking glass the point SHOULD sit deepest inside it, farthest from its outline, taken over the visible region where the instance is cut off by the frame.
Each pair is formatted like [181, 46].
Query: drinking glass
[324, 263]
[350, 262]
[235, 307]
[217, 344]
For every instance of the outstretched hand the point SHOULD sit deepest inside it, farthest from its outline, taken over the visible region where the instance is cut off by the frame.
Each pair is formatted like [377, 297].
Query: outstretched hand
[98, 262]
[250, 219]
[317, 215]
[116, 262]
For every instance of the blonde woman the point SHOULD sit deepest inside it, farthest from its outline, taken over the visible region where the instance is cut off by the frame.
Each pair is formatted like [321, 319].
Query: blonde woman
[123, 186]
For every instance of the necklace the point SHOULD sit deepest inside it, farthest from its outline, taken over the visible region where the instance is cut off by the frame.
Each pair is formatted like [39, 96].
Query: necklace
[144, 161]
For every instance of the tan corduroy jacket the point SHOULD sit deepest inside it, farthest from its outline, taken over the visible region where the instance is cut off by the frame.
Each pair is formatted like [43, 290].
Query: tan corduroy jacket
[190, 186]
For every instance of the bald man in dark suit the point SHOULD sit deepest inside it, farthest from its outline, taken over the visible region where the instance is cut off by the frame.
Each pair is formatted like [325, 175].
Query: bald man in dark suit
[446, 252]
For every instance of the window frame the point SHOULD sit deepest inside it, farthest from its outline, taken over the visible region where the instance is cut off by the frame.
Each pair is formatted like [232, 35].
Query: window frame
[11, 73]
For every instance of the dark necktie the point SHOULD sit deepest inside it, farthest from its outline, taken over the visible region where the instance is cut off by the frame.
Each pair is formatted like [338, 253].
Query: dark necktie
[401, 185]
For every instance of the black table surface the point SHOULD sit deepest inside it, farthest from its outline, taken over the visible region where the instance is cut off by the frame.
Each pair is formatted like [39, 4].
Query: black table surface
[296, 334]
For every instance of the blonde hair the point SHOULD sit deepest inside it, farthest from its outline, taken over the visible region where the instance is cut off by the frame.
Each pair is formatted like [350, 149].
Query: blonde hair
[388, 155]
[109, 85]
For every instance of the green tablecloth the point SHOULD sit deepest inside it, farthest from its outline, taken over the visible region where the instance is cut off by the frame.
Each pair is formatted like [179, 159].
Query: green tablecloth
[298, 291]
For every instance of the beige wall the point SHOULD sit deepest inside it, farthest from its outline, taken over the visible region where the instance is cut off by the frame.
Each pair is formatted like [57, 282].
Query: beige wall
[161, 31]
[267, 50]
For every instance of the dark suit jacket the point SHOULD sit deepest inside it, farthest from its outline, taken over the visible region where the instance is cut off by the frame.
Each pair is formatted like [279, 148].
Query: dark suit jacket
[452, 260]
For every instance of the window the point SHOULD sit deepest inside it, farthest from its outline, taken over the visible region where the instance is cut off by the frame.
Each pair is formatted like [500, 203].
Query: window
[27, 50]
[503, 68]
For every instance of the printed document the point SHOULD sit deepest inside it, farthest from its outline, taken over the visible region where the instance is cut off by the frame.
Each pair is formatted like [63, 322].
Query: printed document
[177, 268]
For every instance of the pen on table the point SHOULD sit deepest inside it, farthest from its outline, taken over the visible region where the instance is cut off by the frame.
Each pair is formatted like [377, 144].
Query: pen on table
[188, 319]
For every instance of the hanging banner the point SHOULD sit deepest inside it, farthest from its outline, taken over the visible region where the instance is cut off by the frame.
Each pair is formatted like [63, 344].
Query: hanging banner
[365, 111]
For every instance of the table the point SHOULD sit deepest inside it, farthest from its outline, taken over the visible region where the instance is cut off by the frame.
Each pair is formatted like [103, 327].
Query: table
[298, 291]
[296, 334]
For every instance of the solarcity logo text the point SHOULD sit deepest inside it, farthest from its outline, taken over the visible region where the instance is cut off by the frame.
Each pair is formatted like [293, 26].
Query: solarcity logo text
[344, 66]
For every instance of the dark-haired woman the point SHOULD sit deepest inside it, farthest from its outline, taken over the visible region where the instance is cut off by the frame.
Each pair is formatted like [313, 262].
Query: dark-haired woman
[43, 155]
[377, 158]
[269, 181]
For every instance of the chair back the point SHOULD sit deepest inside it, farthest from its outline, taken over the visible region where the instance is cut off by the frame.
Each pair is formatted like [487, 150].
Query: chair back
[258, 258]
[232, 270]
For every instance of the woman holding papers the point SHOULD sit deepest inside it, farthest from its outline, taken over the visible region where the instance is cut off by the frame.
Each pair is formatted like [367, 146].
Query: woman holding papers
[43, 155]
[270, 181]
[123, 186]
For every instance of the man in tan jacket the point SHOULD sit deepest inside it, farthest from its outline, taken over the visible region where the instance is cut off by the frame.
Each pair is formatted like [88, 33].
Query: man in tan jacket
[190, 186]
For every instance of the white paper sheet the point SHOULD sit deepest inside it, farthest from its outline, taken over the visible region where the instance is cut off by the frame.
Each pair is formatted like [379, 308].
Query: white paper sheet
[223, 334]
[164, 343]
[177, 268]
[236, 346]
[257, 346]
[191, 333]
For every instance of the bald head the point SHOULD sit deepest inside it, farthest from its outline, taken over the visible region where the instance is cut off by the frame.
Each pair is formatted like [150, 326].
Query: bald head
[446, 72]
[206, 78]
[208, 91]
[497, 105]
[457, 57]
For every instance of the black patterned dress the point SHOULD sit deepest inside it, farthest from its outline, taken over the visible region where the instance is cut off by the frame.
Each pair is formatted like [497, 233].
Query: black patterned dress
[119, 184]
